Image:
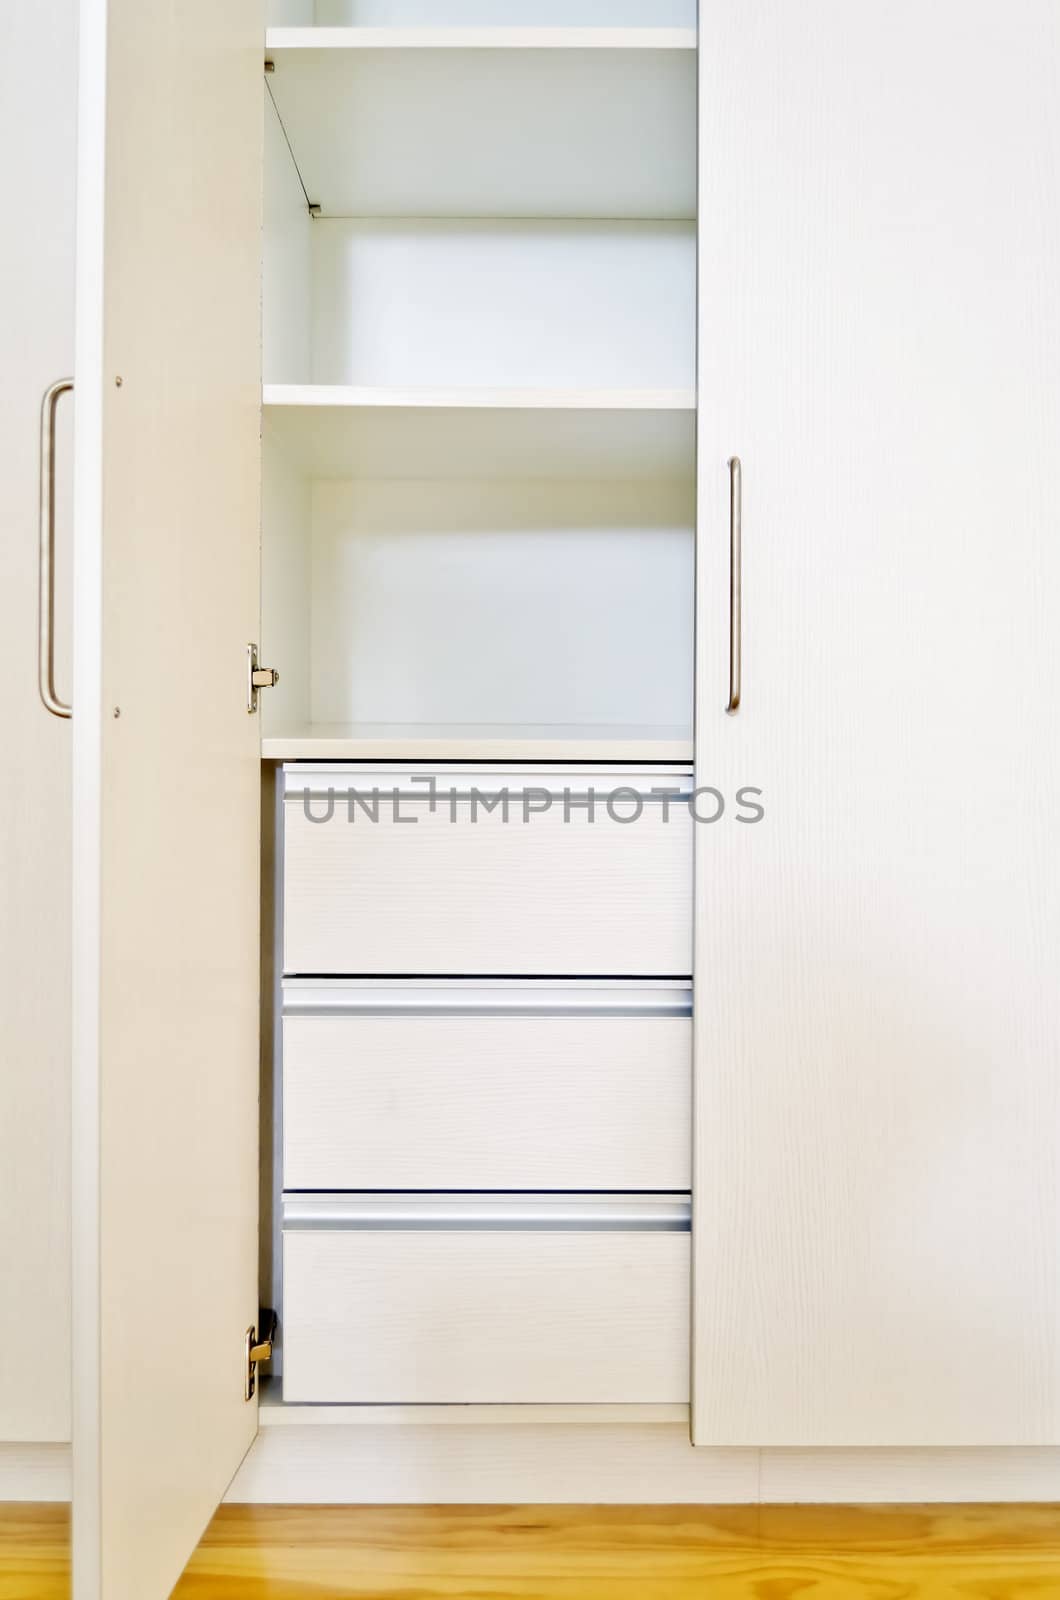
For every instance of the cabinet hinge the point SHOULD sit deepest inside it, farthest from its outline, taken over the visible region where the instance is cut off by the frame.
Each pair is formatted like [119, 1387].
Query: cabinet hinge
[258, 678]
[259, 1343]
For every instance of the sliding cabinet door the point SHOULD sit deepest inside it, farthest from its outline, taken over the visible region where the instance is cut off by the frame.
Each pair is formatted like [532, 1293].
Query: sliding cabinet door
[877, 1006]
[166, 779]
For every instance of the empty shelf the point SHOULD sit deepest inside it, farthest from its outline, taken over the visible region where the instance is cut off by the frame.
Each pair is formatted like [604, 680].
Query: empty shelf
[490, 122]
[406, 741]
[414, 38]
[486, 434]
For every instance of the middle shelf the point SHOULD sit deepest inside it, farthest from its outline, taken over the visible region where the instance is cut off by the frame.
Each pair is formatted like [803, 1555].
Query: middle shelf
[340, 432]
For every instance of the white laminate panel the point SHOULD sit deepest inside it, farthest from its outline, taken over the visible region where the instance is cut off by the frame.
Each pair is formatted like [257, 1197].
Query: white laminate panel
[35, 1472]
[166, 779]
[286, 589]
[521, 1463]
[486, 1102]
[38, 102]
[491, 37]
[485, 1315]
[478, 398]
[335, 1455]
[546, 892]
[878, 1020]
[538, 1458]
[474, 741]
[501, 304]
[483, 602]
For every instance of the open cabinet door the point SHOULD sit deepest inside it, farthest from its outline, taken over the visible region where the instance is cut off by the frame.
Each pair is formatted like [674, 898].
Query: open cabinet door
[166, 792]
[877, 1008]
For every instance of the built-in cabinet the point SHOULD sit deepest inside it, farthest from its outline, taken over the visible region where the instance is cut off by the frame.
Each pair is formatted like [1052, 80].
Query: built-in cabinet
[608, 979]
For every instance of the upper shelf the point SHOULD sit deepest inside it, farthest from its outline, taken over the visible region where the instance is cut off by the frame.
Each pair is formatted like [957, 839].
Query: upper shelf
[490, 122]
[479, 39]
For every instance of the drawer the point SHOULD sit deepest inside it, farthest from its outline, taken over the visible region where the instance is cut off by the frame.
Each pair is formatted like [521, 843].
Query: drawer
[450, 1300]
[396, 880]
[465, 1086]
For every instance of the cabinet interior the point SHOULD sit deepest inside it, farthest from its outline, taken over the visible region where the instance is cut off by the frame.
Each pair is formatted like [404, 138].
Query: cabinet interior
[478, 318]
[479, 423]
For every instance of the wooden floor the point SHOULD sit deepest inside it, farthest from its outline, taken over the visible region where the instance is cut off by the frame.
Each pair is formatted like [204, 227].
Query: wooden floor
[586, 1553]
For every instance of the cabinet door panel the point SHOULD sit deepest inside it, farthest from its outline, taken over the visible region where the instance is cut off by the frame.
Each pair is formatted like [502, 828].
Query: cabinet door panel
[38, 111]
[878, 1006]
[166, 779]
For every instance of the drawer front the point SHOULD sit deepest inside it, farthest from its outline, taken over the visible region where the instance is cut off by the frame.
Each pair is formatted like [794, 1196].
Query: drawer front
[450, 887]
[455, 1314]
[413, 1089]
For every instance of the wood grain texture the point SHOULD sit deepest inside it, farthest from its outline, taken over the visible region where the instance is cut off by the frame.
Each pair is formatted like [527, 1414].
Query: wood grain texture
[487, 1102]
[878, 1017]
[484, 1315]
[586, 1553]
[547, 897]
[34, 1552]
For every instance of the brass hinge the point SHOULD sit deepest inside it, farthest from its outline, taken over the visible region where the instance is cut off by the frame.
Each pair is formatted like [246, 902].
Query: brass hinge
[258, 678]
[259, 1349]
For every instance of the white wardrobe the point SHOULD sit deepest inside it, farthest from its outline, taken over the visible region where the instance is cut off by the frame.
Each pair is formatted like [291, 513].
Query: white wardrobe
[603, 997]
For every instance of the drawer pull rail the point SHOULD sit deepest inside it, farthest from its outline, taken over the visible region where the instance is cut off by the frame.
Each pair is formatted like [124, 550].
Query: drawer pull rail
[455, 1000]
[545, 1213]
[439, 790]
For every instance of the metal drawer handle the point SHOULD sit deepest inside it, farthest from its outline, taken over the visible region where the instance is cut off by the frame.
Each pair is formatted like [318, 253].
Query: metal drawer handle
[735, 582]
[46, 590]
[477, 1213]
[399, 1001]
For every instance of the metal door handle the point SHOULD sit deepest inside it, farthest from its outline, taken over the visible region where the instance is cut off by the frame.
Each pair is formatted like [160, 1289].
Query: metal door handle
[735, 582]
[46, 591]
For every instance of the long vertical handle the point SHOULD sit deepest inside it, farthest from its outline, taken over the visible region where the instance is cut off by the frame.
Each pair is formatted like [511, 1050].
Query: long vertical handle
[735, 583]
[46, 592]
